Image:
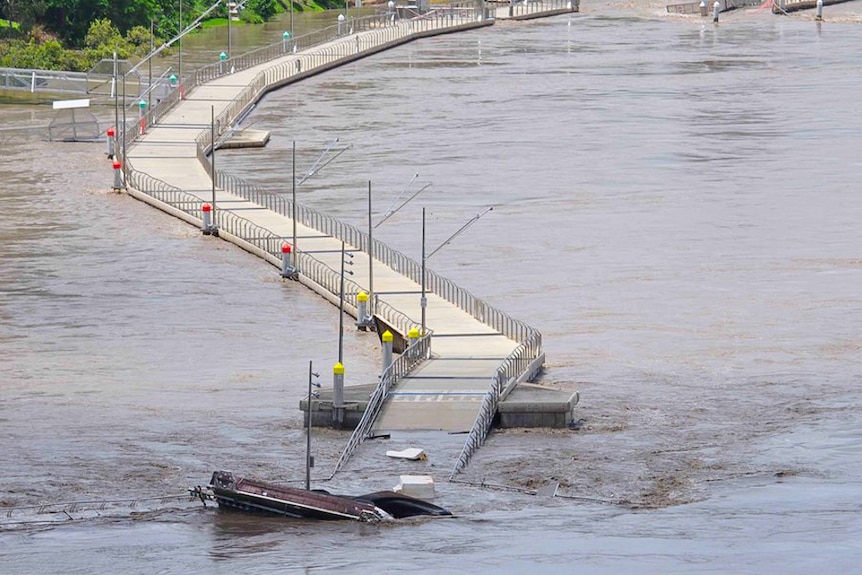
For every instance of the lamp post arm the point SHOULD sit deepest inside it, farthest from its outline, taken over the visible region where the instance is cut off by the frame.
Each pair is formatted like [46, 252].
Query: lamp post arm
[391, 212]
[404, 191]
[168, 44]
[317, 166]
[460, 230]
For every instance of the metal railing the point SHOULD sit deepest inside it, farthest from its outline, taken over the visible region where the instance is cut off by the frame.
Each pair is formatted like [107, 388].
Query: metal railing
[46, 80]
[512, 368]
[523, 8]
[723, 6]
[400, 367]
[785, 6]
[63, 509]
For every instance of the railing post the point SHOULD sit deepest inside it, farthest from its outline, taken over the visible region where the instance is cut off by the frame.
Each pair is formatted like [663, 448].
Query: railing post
[412, 338]
[387, 349]
[110, 135]
[338, 396]
[363, 319]
[288, 270]
[206, 219]
[118, 175]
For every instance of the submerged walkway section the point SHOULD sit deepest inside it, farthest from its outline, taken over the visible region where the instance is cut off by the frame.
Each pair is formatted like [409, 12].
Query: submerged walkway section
[478, 353]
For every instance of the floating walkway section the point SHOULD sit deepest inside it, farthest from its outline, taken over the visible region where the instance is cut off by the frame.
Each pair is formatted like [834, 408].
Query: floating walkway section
[786, 6]
[532, 9]
[708, 8]
[454, 376]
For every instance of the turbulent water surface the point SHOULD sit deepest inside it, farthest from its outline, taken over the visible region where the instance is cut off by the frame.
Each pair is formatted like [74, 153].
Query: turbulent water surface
[675, 208]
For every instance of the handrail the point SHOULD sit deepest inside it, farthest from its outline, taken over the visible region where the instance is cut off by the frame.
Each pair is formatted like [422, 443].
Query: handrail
[515, 364]
[401, 366]
[519, 9]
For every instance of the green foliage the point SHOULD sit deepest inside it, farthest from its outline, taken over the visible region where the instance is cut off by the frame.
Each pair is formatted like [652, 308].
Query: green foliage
[213, 23]
[38, 30]
[263, 9]
[30, 54]
[102, 32]
[100, 42]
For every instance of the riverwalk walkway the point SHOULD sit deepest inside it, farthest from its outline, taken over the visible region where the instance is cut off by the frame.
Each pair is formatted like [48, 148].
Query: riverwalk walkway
[470, 355]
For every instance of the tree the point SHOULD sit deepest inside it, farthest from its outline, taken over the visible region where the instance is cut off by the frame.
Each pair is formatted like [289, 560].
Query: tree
[70, 19]
[26, 12]
[266, 9]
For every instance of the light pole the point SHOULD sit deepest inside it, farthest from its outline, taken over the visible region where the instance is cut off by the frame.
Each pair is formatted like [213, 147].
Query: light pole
[180, 33]
[370, 259]
[338, 370]
[344, 256]
[228, 5]
[423, 301]
[213, 167]
[293, 193]
[309, 460]
[393, 209]
[116, 104]
[150, 63]
[315, 168]
[124, 118]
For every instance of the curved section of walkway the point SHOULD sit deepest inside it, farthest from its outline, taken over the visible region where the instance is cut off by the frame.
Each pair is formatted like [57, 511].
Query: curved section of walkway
[478, 352]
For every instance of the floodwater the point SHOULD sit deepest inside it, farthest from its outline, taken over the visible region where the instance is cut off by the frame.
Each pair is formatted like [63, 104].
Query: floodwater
[675, 208]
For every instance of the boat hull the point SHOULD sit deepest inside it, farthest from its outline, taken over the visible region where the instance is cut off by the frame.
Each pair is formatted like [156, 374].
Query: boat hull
[259, 496]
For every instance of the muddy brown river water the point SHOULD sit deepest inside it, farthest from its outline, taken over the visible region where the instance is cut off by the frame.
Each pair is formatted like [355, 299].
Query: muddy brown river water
[676, 209]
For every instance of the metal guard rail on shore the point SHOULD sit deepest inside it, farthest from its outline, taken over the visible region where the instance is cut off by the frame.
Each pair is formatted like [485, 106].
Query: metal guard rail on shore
[44, 80]
[401, 366]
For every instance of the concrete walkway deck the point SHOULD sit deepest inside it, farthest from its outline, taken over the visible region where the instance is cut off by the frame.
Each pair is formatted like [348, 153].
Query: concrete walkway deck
[446, 391]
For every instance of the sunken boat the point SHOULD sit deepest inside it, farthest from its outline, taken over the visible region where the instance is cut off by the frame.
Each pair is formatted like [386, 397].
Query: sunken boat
[251, 495]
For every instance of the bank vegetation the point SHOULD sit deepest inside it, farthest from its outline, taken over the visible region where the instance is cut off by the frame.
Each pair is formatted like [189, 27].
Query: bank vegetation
[75, 35]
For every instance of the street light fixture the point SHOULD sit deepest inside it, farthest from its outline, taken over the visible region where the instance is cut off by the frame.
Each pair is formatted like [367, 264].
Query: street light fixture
[180, 33]
[314, 170]
[371, 227]
[423, 301]
[150, 62]
[213, 165]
